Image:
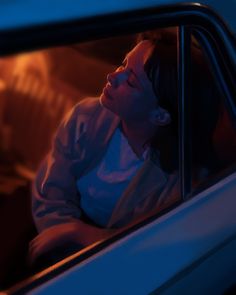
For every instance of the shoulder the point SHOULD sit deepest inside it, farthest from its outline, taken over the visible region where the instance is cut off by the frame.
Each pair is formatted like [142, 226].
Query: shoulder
[85, 107]
[88, 105]
[81, 113]
[87, 112]
[75, 121]
[79, 121]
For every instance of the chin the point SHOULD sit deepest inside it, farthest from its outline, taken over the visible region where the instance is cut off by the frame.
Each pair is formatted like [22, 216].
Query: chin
[104, 101]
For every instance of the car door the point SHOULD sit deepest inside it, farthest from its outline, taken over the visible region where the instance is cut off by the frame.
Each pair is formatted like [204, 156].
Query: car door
[175, 251]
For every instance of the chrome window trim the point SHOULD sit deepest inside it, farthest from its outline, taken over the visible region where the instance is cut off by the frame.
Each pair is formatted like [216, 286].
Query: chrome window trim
[183, 58]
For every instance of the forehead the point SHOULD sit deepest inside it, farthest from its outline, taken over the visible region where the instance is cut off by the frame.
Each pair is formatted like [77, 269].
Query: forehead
[136, 59]
[139, 54]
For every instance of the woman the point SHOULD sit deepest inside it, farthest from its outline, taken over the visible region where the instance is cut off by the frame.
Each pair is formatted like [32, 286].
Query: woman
[114, 159]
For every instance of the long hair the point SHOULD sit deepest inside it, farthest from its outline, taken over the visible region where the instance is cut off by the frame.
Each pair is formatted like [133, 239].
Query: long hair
[161, 69]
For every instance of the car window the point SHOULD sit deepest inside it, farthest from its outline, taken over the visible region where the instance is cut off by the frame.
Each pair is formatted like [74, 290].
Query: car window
[38, 89]
[214, 147]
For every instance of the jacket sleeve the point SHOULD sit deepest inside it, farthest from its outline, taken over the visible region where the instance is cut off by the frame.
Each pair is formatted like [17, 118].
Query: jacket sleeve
[54, 194]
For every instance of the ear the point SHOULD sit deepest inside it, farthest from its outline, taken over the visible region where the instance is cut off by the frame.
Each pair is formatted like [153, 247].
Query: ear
[160, 117]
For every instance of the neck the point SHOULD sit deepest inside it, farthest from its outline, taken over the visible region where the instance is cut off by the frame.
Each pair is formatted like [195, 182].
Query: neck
[138, 133]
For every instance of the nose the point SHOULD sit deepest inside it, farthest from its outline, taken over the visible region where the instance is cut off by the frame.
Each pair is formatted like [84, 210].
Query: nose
[116, 78]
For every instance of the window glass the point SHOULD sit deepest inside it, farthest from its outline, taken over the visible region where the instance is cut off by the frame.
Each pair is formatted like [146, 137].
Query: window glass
[214, 134]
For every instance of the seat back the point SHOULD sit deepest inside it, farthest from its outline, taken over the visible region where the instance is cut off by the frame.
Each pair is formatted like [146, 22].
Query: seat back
[33, 111]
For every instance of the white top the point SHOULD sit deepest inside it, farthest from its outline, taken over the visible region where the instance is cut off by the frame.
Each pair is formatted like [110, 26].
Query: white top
[102, 187]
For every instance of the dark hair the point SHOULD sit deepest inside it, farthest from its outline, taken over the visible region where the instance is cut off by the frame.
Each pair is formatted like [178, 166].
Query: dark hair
[161, 68]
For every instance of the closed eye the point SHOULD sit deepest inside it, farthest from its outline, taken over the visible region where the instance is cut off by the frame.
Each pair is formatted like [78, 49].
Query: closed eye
[123, 66]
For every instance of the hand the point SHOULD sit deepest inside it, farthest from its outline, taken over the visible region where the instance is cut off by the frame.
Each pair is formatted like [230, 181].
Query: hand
[55, 236]
[90, 234]
[50, 238]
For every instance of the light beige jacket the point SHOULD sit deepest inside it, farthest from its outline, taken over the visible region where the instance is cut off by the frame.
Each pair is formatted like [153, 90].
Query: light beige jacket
[79, 145]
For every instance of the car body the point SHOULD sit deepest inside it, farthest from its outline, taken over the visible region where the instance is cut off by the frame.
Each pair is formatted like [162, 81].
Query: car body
[189, 249]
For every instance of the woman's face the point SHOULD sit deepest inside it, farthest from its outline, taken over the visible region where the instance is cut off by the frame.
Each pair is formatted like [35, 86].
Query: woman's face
[128, 92]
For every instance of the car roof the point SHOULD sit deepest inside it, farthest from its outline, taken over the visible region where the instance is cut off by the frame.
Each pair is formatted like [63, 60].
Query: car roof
[25, 13]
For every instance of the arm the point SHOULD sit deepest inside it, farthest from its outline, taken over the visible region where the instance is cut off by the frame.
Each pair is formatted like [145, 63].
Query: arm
[54, 196]
[55, 204]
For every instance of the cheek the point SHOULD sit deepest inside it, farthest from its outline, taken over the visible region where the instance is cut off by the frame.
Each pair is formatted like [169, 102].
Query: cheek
[125, 91]
[130, 101]
[124, 97]
[132, 95]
